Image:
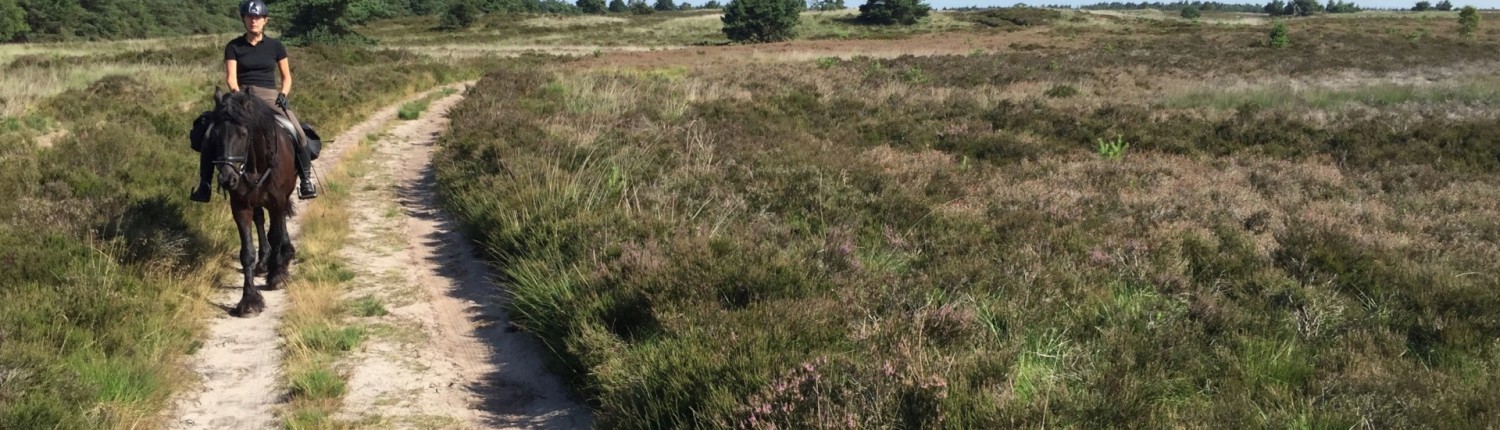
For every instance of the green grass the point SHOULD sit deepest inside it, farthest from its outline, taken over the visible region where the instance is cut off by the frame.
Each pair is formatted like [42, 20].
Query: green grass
[411, 110]
[368, 306]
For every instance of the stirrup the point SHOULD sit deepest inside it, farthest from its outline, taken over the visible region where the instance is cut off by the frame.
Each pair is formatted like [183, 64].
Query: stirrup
[306, 190]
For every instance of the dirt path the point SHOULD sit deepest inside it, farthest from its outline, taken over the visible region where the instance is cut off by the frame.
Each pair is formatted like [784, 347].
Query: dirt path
[240, 360]
[444, 356]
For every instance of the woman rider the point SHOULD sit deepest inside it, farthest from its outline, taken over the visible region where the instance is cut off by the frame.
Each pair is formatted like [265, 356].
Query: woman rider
[248, 62]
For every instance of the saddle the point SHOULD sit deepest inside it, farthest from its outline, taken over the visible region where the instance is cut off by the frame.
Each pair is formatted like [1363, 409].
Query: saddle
[203, 123]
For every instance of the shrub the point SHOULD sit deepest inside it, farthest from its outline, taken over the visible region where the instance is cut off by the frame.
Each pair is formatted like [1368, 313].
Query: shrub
[713, 4]
[591, 6]
[460, 14]
[618, 6]
[1445, 5]
[761, 20]
[1279, 37]
[826, 5]
[1421, 6]
[1190, 12]
[1468, 21]
[12, 20]
[887, 12]
[1061, 91]
[664, 5]
[329, 21]
[639, 7]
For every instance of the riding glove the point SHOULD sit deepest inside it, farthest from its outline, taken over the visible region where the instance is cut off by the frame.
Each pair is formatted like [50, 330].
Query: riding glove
[281, 101]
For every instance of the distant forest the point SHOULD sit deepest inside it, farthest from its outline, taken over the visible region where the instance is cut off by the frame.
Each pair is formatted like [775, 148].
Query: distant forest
[59, 20]
[52, 20]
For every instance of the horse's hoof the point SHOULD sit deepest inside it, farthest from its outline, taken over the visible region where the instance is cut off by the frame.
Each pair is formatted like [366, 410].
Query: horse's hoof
[260, 269]
[248, 310]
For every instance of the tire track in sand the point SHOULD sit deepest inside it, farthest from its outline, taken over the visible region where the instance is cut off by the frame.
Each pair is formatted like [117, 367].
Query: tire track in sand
[444, 356]
[239, 364]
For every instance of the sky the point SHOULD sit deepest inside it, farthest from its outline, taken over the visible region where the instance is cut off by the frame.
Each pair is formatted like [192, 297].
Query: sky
[1482, 4]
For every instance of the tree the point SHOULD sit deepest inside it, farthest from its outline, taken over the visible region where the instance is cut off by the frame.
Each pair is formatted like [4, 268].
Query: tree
[12, 21]
[887, 12]
[827, 5]
[1275, 8]
[617, 6]
[459, 14]
[1338, 6]
[665, 5]
[591, 6]
[713, 4]
[639, 7]
[761, 20]
[1445, 5]
[328, 21]
[1421, 6]
[1279, 37]
[1190, 12]
[1468, 21]
[685, 6]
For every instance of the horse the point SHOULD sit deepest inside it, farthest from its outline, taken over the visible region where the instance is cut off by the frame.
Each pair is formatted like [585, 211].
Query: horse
[255, 162]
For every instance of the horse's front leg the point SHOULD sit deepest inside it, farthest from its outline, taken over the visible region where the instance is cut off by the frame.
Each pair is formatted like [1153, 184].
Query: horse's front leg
[251, 303]
[260, 233]
[281, 251]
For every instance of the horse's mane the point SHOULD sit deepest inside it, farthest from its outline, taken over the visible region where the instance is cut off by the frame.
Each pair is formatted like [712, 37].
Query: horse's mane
[250, 111]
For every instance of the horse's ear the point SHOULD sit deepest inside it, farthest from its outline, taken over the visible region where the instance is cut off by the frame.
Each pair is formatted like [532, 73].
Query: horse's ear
[218, 96]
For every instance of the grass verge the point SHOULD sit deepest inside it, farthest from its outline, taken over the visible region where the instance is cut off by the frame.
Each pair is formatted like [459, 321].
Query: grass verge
[315, 326]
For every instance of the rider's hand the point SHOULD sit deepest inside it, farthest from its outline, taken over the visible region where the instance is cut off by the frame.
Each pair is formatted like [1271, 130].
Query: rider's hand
[281, 101]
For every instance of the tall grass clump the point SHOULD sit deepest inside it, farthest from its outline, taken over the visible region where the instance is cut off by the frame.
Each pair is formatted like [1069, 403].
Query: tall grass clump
[105, 266]
[944, 257]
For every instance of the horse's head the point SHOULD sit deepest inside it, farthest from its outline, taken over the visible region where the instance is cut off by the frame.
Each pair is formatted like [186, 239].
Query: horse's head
[233, 126]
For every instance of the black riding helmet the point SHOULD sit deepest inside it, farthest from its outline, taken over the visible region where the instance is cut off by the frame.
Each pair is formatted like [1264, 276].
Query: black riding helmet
[254, 8]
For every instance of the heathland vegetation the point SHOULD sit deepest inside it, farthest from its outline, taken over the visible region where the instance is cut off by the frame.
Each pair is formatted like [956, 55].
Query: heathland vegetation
[1066, 218]
[1109, 223]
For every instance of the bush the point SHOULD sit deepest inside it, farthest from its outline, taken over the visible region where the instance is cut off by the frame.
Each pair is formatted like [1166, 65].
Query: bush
[12, 20]
[591, 6]
[1468, 21]
[664, 5]
[460, 14]
[329, 21]
[639, 7]
[761, 20]
[1445, 5]
[1421, 6]
[1190, 12]
[1279, 37]
[826, 5]
[713, 4]
[618, 6]
[887, 12]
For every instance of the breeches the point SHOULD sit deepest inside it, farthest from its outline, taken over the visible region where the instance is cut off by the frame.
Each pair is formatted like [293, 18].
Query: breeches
[269, 96]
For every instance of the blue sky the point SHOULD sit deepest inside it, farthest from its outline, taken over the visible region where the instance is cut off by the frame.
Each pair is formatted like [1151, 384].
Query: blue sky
[1485, 4]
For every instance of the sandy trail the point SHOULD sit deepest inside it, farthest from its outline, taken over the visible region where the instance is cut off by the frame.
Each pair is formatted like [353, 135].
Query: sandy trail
[240, 357]
[444, 356]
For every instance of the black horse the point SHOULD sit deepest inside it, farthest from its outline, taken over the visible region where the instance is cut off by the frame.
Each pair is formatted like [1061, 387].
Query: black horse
[255, 162]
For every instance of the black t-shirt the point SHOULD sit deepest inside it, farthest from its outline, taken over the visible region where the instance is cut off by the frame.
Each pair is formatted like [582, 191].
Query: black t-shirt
[257, 63]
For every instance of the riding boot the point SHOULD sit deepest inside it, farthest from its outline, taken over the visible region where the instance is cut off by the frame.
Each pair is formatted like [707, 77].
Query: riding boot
[304, 165]
[205, 176]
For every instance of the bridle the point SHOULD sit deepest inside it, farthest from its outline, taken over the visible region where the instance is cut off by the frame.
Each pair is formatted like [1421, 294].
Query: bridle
[238, 162]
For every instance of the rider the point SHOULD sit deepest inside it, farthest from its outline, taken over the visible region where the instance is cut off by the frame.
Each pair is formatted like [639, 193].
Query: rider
[248, 62]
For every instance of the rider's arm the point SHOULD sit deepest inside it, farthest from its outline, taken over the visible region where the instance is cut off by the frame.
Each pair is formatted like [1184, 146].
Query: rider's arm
[229, 75]
[286, 76]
